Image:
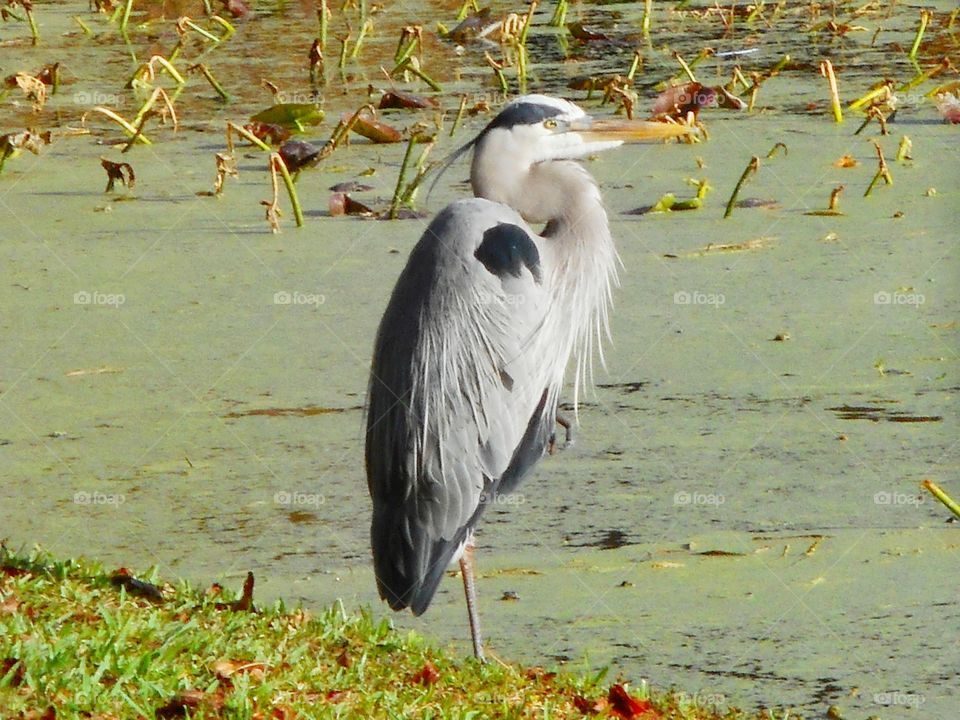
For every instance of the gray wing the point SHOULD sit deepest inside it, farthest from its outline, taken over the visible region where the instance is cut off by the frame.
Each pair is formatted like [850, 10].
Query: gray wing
[462, 394]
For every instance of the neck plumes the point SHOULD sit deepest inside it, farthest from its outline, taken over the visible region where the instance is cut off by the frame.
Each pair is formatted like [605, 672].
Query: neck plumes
[585, 268]
[582, 260]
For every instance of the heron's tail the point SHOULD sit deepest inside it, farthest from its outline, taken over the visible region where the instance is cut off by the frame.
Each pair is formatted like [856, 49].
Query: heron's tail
[408, 573]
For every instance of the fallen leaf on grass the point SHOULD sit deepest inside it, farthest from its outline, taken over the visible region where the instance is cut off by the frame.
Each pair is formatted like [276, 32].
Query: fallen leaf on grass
[123, 578]
[187, 703]
[9, 607]
[245, 603]
[629, 707]
[225, 668]
[589, 707]
[427, 675]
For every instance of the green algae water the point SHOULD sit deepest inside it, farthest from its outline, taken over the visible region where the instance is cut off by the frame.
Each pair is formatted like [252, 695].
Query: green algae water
[740, 513]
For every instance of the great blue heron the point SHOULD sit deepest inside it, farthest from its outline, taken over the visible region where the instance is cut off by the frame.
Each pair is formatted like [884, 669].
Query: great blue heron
[472, 349]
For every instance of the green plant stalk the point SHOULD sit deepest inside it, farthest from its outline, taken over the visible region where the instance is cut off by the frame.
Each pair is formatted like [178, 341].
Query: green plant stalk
[130, 129]
[502, 79]
[869, 97]
[924, 76]
[34, 31]
[751, 168]
[410, 193]
[278, 163]
[940, 495]
[324, 18]
[364, 29]
[876, 179]
[228, 28]
[200, 31]
[634, 65]
[528, 21]
[171, 70]
[83, 26]
[777, 146]
[686, 68]
[459, 117]
[559, 17]
[205, 71]
[140, 125]
[344, 44]
[434, 85]
[522, 66]
[125, 17]
[404, 52]
[826, 69]
[647, 12]
[398, 191]
[924, 19]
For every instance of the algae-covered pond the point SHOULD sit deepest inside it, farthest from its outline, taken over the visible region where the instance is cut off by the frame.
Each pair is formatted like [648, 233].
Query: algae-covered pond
[740, 514]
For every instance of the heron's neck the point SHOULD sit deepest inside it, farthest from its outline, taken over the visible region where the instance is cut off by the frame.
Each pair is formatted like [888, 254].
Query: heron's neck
[584, 263]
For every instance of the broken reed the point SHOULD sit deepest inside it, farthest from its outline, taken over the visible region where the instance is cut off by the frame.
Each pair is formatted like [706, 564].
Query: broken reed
[826, 69]
[751, 168]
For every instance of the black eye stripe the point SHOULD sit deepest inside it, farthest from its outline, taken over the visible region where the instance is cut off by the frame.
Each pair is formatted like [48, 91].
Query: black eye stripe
[522, 114]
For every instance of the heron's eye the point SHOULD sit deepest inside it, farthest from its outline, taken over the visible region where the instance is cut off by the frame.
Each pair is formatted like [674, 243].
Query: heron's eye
[549, 124]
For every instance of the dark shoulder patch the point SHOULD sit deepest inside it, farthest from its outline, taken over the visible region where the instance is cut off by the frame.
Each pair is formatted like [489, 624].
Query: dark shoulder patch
[507, 249]
[526, 113]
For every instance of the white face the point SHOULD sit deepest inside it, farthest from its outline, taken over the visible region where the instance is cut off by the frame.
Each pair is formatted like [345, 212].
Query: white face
[529, 139]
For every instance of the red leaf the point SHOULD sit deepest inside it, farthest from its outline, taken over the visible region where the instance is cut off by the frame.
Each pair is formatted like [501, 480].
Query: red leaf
[589, 707]
[629, 707]
[427, 675]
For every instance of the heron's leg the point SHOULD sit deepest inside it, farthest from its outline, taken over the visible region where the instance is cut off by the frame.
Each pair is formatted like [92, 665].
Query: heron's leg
[470, 590]
[568, 427]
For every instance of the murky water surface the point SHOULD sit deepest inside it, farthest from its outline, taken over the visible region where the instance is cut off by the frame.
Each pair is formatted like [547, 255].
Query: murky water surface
[740, 514]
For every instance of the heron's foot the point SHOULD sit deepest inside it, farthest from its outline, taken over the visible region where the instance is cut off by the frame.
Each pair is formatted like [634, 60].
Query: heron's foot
[568, 435]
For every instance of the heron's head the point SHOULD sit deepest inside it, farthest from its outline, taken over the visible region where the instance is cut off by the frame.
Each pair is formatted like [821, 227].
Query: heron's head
[536, 129]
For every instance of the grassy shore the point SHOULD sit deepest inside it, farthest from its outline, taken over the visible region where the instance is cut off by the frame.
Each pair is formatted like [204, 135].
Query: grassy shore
[78, 641]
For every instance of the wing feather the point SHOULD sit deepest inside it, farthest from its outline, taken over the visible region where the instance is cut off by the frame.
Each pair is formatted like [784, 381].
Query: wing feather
[462, 394]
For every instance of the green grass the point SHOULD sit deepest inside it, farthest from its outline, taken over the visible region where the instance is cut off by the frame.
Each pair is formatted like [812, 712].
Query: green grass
[75, 643]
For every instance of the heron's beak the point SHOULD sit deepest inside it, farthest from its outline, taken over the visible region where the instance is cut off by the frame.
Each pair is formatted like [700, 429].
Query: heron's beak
[607, 129]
